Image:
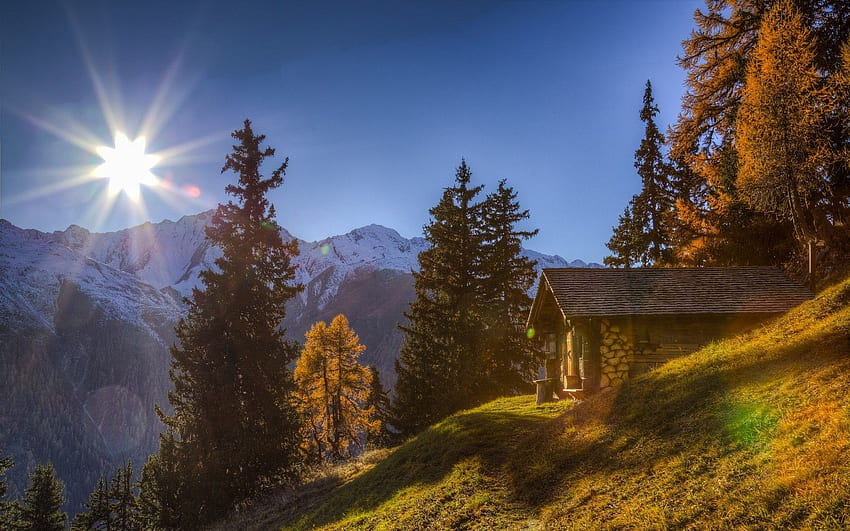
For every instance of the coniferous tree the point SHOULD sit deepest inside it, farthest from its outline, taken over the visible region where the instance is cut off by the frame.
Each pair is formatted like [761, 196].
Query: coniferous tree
[99, 510]
[41, 509]
[442, 337]
[628, 239]
[642, 235]
[378, 404]
[8, 509]
[508, 275]
[234, 428]
[160, 488]
[332, 388]
[780, 127]
[123, 502]
[713, 223]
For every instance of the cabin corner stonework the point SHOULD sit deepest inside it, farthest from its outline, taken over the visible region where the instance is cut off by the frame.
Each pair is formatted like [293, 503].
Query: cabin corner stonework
[616, 352]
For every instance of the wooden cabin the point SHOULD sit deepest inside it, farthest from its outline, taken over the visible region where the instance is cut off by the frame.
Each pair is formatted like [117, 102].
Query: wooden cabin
[600, 327]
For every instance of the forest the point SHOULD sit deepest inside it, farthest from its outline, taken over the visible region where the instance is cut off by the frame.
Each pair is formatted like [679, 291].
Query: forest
[754, 171]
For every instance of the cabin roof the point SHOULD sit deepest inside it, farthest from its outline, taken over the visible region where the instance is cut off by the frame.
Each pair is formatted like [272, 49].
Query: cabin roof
[581, 292]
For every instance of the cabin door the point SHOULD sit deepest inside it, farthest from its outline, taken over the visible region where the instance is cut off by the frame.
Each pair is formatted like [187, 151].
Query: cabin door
[572, 367]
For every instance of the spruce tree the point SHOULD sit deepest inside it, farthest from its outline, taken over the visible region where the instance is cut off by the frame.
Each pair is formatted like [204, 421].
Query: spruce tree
[123, 502]
[161, 495]
[99, 510]
[507, 277]
[439, 357]
[42, 503]
[332, 388]
[628, 239]
[642, 235]
[378, 404]
[234, 428]
[8, 509]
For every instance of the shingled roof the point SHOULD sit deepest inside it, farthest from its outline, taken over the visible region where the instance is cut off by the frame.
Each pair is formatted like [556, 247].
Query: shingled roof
[663, 291]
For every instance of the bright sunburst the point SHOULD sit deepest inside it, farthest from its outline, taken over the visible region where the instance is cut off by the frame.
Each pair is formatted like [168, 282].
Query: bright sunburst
[127, 166]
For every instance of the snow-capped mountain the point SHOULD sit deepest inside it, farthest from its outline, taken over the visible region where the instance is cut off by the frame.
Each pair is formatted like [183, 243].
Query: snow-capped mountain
[86, 320]
[364, 273]
[171, 254]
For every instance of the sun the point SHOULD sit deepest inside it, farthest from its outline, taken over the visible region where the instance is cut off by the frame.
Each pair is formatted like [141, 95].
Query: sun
[127, 166]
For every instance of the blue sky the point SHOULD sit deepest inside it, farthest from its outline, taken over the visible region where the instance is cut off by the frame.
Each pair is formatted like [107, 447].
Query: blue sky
[375, 103]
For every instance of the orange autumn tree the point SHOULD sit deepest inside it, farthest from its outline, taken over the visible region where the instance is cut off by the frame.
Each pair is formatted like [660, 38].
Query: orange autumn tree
[332, 388]
[782, 144]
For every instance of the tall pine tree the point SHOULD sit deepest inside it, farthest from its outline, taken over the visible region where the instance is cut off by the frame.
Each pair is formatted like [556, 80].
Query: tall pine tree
[8, 509]
[42, 504]
[442, 337]
[234, 428]
[465, 341]
[378, 405]
[642, 235]
[508, 275]
[99, 510]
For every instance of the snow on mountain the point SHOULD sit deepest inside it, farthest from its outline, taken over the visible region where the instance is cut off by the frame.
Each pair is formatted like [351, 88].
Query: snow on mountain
[166, 254]
[34, 269]
[172, 254]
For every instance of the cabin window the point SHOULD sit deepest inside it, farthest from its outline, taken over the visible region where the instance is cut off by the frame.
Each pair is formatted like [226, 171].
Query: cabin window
[550, 346]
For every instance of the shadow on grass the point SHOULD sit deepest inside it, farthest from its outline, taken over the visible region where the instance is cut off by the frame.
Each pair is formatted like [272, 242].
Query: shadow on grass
[430, 457]
[724, 401]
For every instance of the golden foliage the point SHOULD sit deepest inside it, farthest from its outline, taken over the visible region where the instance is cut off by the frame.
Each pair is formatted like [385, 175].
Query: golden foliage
[780, 122]
[332, 388]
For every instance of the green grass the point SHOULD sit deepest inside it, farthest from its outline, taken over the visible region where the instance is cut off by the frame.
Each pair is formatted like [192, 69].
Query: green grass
[749, 433]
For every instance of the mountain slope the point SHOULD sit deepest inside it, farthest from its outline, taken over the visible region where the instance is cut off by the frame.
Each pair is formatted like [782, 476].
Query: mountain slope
[83, 357]
[749, 433]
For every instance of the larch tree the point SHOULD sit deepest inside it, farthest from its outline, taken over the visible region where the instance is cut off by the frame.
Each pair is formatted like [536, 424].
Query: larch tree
[443, 334]
[782, 116]
[713, 222]
[234, 428]
[507, 277]
[332, 390]
[642, 235]
[112, 505]
[41, 509]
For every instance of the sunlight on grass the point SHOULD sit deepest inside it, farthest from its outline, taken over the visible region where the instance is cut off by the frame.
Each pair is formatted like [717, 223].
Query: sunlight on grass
[748, 433]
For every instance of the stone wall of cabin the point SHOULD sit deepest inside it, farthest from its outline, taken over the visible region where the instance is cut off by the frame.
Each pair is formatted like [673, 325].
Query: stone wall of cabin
[616, 353]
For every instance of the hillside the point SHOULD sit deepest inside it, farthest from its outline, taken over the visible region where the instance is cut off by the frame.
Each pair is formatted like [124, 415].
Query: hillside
[750, 433]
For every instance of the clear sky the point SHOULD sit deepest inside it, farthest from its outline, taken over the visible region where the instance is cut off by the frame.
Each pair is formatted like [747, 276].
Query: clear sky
[374, 102]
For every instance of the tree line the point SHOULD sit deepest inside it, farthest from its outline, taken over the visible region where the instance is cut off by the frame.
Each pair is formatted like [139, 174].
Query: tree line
[756, 169]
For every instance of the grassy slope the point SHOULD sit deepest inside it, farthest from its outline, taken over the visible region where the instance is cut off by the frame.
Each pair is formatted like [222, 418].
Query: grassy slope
[753, 432]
